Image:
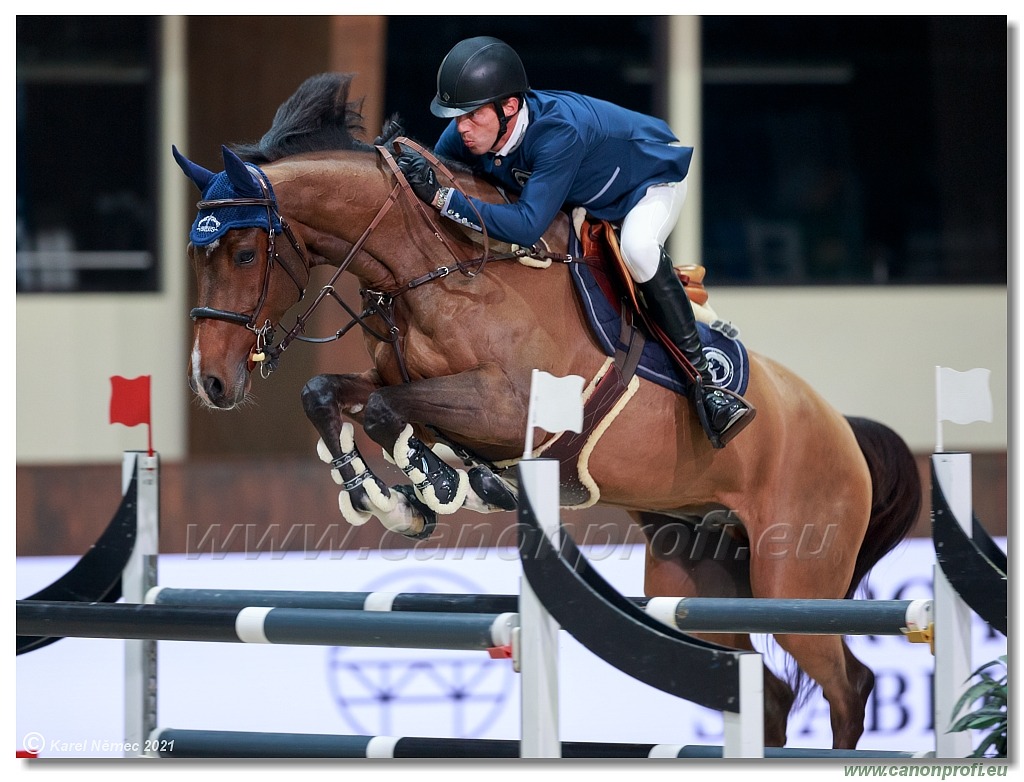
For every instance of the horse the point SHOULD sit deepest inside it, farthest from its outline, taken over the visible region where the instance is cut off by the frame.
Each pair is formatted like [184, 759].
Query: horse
[456, 323]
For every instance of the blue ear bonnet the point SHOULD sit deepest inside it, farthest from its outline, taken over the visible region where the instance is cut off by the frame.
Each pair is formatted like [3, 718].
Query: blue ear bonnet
[211, 224]
[238, 180]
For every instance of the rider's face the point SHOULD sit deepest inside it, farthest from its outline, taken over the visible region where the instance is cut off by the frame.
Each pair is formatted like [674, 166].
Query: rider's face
[479, 128]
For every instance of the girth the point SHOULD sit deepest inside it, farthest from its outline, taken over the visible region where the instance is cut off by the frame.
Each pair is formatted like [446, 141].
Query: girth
[568, 447]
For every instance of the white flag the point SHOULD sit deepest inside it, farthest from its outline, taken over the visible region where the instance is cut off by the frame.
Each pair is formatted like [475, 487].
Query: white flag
[556, 403]
[963, 397]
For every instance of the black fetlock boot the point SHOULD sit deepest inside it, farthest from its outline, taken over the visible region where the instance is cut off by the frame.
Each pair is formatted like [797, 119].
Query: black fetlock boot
[667, 303]
[438, 485]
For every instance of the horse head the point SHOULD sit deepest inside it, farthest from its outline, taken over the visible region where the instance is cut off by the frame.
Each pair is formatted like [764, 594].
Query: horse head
[233, 250]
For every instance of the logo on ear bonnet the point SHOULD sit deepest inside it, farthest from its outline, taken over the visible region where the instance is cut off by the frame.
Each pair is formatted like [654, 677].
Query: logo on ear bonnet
[208, 225]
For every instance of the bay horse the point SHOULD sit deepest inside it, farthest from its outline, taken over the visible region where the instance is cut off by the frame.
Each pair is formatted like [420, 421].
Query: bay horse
[455, 323]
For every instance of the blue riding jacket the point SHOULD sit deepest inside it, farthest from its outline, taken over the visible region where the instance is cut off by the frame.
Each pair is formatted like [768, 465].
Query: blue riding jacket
[576, 151]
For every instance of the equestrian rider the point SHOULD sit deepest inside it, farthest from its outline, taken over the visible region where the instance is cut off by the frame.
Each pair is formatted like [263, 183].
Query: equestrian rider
[560, 149]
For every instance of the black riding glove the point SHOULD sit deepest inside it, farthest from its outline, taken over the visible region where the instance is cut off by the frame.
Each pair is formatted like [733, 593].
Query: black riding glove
[420, 175]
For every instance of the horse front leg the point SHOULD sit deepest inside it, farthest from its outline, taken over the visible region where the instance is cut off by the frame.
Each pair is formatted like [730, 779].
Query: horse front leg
[327, 401]
[482, 405]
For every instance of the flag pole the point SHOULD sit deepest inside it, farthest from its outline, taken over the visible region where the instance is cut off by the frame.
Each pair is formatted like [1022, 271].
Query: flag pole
[528, 447]
[938, 410]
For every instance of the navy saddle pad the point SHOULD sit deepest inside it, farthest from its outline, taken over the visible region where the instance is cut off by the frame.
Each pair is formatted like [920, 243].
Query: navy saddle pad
[727, 357]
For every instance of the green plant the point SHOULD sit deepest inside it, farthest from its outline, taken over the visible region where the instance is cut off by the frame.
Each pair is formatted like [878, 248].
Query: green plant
[990, 715]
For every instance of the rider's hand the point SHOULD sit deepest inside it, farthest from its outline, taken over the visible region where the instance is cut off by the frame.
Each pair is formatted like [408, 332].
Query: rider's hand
[420, 175]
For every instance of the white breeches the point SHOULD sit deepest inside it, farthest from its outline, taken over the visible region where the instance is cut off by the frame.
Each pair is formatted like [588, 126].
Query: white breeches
[646, 228]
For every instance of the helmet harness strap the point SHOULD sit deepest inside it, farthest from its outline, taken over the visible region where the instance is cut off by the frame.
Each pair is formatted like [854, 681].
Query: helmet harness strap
[503, 120]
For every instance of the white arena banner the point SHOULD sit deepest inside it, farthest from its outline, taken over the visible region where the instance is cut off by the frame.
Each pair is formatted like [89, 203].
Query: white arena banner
[70, 694]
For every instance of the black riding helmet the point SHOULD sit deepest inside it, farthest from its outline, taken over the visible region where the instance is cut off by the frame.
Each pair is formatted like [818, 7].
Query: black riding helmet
[475, 72]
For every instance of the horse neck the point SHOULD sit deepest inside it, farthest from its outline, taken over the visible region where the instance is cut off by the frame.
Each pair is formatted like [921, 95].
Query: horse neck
[332, 200]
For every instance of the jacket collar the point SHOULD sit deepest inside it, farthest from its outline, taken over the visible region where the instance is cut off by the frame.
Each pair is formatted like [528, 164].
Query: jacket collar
[518, 131]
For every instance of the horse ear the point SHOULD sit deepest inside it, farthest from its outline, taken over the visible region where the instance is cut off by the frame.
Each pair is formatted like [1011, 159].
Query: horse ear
[241, 177]
[199, 175]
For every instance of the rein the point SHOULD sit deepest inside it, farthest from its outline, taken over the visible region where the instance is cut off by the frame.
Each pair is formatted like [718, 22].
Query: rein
[379, 303]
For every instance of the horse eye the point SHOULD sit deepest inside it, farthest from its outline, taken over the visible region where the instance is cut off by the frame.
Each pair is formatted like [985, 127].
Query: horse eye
[245, 257]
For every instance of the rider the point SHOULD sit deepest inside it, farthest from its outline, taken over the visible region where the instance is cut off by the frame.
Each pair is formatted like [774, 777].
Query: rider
[560, 149]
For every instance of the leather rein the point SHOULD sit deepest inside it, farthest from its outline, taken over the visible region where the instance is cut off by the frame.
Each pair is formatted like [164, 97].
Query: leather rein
[379, 303]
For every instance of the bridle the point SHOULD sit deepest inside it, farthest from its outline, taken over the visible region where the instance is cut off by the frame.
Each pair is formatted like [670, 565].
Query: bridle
[265, 333]
[375, 303]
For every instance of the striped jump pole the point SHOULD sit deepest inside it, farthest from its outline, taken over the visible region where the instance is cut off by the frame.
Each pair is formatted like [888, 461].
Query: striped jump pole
[296, 626]
[913, 618]
[176, 743]
[349, 601]
[715, 751]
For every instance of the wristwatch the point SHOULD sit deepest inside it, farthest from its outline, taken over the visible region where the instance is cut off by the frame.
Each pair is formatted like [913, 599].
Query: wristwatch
[441, 197]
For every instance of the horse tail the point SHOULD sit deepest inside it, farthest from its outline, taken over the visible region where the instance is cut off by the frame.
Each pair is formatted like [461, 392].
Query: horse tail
[896, 493]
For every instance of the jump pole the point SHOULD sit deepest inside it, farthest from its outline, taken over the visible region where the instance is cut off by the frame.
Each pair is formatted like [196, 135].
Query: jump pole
[817, 616]
[794, 616]
[184, 743]
[139, 576]
[262, 625]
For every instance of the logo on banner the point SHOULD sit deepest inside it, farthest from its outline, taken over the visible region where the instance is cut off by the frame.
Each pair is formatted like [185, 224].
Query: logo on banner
[415, 692]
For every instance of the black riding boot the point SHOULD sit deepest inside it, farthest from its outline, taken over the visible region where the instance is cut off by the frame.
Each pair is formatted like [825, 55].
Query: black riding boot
[666, 301]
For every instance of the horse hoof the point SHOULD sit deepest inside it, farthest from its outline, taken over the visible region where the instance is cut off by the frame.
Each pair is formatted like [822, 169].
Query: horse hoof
[492, 490]
[429, 518]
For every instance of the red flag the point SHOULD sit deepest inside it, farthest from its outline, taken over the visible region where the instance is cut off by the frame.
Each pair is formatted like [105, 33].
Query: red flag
[129, 403]
[129, 400]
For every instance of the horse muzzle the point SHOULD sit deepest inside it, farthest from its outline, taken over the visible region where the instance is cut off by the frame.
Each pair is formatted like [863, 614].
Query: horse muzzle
[217, 388]
[217, 394]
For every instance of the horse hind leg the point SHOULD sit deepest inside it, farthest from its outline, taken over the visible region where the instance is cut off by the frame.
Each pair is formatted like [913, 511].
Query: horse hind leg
[820, 565]
[778, 702]
[779, 695]
[863, 681]
[845, 681]
[705, 560]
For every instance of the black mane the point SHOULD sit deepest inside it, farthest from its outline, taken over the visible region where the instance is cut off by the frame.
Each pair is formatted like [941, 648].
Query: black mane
[317, 117]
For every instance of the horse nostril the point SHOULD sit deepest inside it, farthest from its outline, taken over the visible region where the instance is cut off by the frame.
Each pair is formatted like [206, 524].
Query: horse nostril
[214, 387]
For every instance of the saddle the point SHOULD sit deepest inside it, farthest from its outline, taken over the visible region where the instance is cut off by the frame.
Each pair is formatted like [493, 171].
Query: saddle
[609, 293]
